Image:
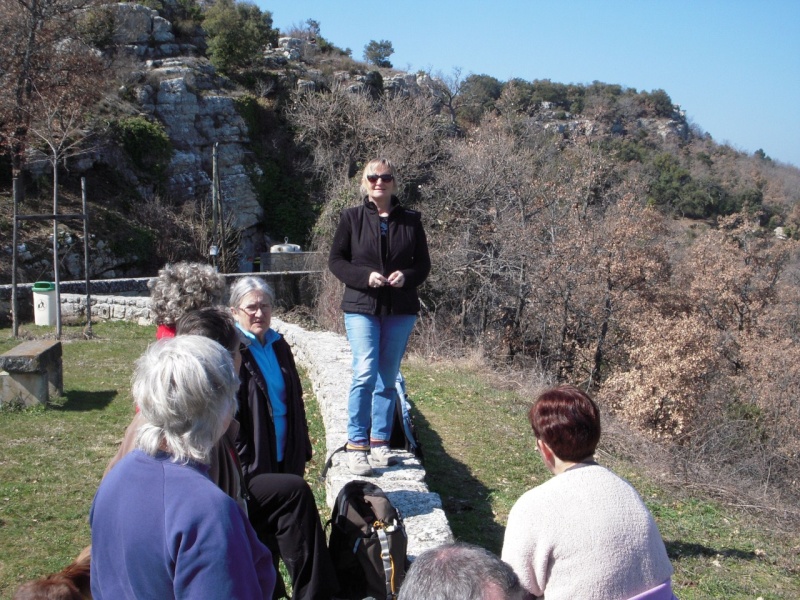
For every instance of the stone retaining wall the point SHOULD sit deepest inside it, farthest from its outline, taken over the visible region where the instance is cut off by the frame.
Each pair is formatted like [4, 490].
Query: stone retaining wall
[128, 299]
[327, 359]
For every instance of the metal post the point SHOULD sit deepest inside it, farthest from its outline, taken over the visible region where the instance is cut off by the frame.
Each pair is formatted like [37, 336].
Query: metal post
[86, 259]
[214, 200]
[55, 249]
[15, 320]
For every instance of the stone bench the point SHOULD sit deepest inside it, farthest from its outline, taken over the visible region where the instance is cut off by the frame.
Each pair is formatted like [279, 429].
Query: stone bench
[31, 372]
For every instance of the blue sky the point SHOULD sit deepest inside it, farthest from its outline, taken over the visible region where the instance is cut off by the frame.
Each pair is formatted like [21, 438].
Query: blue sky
[733, 65]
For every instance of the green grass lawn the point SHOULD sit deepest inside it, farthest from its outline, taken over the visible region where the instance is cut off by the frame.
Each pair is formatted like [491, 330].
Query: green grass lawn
[479, 454]
[480, 457]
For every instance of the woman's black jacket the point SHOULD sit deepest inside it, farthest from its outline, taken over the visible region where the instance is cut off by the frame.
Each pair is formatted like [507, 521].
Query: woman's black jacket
[256, 442]
[356, 252]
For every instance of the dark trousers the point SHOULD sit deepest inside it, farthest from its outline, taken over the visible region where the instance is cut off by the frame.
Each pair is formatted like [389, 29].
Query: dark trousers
[283, 513]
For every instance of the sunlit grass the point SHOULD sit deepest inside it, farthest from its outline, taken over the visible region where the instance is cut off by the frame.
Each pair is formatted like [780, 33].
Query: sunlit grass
[479, 455]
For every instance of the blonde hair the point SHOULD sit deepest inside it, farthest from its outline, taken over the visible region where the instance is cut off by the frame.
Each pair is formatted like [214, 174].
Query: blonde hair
[372, 167]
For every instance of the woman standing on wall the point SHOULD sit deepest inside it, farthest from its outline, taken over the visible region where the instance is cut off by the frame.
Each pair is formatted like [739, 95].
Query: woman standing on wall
[380, 253]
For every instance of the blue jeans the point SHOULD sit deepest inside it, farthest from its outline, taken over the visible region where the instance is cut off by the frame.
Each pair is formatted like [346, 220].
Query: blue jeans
[378, 344]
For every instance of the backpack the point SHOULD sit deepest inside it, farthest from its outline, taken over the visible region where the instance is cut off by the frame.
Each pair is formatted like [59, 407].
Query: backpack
[368, 543]
[404, 434]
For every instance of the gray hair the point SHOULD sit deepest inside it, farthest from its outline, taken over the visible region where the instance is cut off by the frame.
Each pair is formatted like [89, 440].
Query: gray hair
[244, 285]
[185, 388]
[183, 287]
[460, 572]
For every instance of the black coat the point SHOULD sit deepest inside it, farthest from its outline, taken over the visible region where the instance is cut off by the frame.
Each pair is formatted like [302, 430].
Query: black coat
[256, 443]
[356, 252]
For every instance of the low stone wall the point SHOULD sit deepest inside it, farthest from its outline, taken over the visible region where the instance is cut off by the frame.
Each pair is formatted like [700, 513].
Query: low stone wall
[128, 299]
[327, 359]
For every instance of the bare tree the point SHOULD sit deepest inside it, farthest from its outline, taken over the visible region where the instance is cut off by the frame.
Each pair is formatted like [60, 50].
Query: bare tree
[34, 32]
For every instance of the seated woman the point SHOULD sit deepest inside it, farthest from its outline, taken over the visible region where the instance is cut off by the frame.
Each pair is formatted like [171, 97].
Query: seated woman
[181, 288]
[273, 437]
[160, 527]
[274, 445]
[585, 533]
[284, 512]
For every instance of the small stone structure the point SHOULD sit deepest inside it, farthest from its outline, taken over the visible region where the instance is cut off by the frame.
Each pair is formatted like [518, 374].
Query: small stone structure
[31, 372]
[327, 359]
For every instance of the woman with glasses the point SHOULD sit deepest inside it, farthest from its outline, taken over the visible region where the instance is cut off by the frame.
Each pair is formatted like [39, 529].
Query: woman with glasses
[274, 433]
[380, 253]
[274, 445]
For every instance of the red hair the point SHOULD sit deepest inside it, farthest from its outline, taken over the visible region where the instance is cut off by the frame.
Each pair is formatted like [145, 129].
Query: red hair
[72, 583]
[568, 421]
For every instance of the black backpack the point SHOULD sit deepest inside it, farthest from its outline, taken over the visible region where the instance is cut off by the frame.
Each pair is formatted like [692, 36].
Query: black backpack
[404, 434]
[368, 543]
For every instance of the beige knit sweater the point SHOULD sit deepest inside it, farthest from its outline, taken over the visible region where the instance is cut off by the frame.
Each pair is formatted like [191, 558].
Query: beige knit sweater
[585, 534]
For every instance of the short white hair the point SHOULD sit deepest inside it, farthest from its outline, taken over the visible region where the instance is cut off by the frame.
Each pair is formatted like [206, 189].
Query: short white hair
[185, 388]
[244, 285]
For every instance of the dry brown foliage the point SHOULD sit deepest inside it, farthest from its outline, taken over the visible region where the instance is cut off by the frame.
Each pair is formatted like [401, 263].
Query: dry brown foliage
[547, 258]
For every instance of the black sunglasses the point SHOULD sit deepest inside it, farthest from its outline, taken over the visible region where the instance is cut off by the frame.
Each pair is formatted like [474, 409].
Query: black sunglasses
[384, 177]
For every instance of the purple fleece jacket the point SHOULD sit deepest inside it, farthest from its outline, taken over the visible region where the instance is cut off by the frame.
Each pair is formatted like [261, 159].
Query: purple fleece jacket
[163, 530]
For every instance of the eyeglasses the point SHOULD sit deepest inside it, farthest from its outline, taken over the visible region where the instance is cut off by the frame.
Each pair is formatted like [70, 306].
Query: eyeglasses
[384, 177]
[252, 309]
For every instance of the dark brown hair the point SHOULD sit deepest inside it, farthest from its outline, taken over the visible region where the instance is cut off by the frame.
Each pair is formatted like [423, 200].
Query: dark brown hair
[214, 322]
[568, 421]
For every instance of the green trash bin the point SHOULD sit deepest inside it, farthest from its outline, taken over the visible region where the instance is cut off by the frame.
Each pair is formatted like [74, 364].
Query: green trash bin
[44, 303]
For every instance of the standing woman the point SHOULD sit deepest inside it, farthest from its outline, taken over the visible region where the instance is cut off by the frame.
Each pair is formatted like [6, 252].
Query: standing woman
[380, 253]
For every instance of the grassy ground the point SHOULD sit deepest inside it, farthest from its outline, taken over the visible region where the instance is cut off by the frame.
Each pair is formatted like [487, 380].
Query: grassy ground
[480, 457]
[479, 454]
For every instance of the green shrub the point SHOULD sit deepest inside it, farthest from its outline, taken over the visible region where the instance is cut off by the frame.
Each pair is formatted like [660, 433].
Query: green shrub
[249, 109]
[660, 103]
[97, 27]
[237, 34]
[284, 196]
[146, 143]
[378, 53]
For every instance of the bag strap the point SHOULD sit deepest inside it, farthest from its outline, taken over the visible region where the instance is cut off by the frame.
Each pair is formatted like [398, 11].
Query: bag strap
[386, 557]
[329, 463]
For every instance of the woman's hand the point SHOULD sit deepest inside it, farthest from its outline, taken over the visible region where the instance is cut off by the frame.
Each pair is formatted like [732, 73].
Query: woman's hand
[396, 279]
[377, 280]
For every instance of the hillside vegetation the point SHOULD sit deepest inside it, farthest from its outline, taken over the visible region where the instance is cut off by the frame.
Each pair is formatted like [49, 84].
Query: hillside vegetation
[580, 233]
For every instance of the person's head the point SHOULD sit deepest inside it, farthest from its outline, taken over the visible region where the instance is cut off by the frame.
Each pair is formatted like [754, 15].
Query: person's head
[185, 388]
[373, 180]
[216, 323]
[182, 287]
[568, 421]
[460, 572]
[251, 301]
